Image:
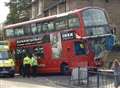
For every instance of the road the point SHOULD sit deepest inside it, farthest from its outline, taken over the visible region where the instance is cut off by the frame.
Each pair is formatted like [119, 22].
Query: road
[38, 82]
[50, 81]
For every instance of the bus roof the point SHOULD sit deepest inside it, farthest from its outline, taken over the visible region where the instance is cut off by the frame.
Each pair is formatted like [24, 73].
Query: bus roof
[48, 18]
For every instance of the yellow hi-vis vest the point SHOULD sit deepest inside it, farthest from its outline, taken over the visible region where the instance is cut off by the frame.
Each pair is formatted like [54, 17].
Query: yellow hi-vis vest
[33, 61]
[26, 60]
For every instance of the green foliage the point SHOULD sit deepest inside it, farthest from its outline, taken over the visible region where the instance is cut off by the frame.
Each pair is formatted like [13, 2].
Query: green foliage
[19, 11]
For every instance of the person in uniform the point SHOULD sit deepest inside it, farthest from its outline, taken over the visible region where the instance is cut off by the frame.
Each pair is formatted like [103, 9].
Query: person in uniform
[34, 65]
[26, 66]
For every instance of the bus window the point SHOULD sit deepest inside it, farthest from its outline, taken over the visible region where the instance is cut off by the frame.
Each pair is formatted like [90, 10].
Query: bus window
[73, 22]
[19, 31]
[34, 28]
[97, 30]
[20, 53]
[39, 27]
[80, 48]
[39, 52]
[61, 24]
[9, 32]
[45, 27]
[51, 26]
[95, 22]
[94, 17]
[27, 29]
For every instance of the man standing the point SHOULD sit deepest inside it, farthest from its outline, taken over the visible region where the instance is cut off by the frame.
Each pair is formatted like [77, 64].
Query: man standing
[34, 65]
[116, 68]
[26, 66]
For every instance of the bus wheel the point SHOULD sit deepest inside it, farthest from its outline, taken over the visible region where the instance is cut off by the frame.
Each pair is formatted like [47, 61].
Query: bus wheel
[65, 69]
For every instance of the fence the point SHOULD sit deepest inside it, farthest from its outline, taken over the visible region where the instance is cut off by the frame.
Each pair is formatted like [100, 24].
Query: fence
[85, 78]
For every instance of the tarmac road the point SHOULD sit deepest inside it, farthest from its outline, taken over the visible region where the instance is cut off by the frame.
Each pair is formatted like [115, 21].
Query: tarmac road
[48, 81]
[56, 81]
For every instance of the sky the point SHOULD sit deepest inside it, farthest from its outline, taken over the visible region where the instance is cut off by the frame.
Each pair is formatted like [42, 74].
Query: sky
[3, 10]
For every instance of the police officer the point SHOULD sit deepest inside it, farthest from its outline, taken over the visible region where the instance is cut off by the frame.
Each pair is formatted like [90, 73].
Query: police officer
[34, 65]
[26, 66]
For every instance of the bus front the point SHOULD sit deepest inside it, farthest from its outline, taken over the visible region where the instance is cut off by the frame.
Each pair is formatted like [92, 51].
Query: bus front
[98, 31]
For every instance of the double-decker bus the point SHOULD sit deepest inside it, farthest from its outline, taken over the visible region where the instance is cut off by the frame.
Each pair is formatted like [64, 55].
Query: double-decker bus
[62, 42]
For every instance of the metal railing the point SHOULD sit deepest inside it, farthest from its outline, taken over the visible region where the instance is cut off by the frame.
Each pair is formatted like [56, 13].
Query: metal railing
[85, 78]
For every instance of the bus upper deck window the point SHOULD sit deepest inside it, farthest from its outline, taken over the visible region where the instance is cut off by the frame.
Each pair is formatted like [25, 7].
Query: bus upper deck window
[34, 28]
[73, 22]
[19, 31]
[27, 29]
[61, 24]
[94, 17]
[9, 32]
[39, 27]
[45, 27]
[51, 26]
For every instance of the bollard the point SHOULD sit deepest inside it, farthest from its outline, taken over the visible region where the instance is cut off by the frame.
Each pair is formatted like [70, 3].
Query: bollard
[79, 75]
[88, 78]
[116, 81]
[97, 79]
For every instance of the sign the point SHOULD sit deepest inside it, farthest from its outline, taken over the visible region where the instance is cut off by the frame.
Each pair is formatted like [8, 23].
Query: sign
[33, 40]
[68, 35]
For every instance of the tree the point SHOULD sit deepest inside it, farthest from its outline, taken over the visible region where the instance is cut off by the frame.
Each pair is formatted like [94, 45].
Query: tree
[19, 11]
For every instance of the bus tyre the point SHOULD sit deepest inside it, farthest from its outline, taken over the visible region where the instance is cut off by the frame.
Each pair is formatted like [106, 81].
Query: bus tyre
[65, 69]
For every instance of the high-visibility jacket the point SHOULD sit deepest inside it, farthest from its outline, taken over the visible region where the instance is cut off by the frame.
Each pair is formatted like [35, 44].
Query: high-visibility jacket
[33, 61]
[27, 60]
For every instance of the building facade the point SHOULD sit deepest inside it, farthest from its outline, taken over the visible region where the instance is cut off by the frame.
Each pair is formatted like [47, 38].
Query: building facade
[41, 8]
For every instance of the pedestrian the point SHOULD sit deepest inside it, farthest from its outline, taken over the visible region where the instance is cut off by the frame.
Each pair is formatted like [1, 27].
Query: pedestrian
[116, 68]
[26, 66]
[34, 65]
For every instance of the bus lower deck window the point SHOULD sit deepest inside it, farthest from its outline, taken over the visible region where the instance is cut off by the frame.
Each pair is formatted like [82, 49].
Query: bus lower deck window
[80, 48]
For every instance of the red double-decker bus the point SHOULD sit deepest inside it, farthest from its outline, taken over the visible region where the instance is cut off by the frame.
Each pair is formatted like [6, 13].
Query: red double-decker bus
[62, 42]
